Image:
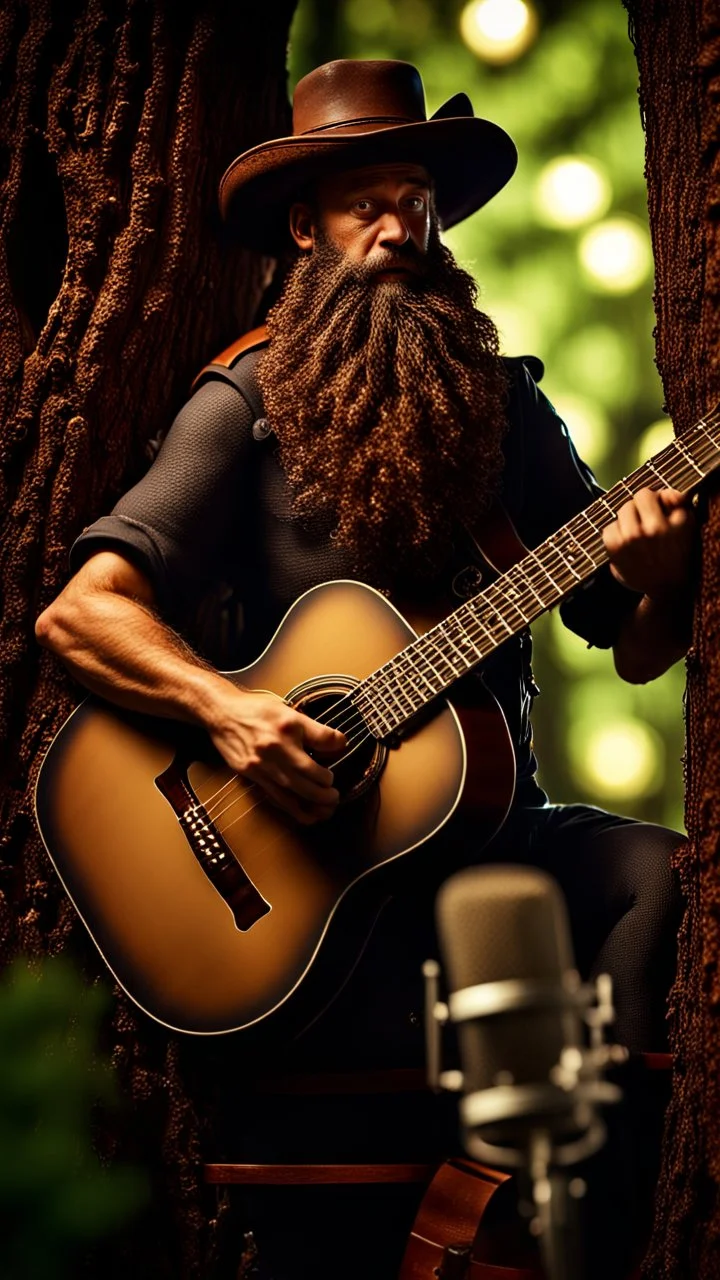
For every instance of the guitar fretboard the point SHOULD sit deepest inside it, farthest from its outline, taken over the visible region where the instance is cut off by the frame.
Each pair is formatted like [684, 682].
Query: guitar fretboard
[390, 696]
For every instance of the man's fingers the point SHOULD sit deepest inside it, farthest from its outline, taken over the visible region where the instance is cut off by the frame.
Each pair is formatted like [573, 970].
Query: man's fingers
[287, 800]
[671, 499]
[628, 523]
[315, 788]
[680, 516]
[322, 737]
[647, 514]
[655, 505]
[304, 768]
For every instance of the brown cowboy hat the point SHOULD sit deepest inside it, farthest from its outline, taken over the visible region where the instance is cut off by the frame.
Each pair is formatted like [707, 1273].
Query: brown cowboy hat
[351, 113]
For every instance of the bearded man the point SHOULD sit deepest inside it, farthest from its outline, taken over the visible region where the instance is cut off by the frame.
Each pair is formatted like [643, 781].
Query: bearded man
[366, 434]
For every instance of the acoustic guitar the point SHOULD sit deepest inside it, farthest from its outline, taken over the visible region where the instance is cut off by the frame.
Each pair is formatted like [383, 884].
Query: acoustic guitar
[212, 908]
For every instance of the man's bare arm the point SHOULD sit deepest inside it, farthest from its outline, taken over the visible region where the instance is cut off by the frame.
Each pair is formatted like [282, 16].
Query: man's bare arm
[104, 627]
[655, 636]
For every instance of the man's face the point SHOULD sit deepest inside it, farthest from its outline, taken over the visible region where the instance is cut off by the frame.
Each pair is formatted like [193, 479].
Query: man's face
[376, 210]
[387, 399]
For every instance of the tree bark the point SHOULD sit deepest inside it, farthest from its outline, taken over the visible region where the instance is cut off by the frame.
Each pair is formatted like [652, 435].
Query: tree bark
[117, 283]
[677, 43]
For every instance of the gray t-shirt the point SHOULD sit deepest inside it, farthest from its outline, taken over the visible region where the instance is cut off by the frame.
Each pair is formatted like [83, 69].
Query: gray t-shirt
[211, 526]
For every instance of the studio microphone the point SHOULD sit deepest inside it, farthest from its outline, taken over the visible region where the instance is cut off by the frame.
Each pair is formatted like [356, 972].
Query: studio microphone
[530, 1038]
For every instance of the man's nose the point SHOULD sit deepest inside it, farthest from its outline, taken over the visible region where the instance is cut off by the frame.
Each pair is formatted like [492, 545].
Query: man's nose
[394, 230]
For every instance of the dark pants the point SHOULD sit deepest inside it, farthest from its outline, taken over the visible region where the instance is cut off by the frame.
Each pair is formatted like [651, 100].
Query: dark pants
[624, 907]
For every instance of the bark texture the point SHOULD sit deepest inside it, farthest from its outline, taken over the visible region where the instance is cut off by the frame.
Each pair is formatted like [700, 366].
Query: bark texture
[117, 118]
[677, 43]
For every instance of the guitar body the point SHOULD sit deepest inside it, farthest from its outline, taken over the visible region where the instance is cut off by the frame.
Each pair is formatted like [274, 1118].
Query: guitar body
[214, 910]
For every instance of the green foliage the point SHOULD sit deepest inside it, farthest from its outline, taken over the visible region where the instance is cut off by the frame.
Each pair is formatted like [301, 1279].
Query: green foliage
[55, 1197]
[573, 93]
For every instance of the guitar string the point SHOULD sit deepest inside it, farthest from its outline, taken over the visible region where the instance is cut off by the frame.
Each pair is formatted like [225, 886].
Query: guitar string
[532, 577]
[354, 742]
[475, 626]
[211, 808]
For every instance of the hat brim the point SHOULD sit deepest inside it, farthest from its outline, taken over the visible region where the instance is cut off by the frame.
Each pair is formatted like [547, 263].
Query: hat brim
[468, 158]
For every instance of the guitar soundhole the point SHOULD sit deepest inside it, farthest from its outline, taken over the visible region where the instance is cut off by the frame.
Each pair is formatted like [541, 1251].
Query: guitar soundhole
[325, 699]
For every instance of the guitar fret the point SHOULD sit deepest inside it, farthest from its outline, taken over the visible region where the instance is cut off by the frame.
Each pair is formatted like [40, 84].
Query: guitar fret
[404, 687]
[406, 680]
[493, 613]
[476, 607]
[607, 505]
[430, 664]
[707, 448]
[512, 592]
[417, 671]
[685, 449]
[428, 640]
[538, 563]
[628, 488]
[466, 636]
[551, 549]
[535, 557]
[596, 531]
[531, 585]
[649, 466]
[567, 532]
[457, 641]
[386, 722]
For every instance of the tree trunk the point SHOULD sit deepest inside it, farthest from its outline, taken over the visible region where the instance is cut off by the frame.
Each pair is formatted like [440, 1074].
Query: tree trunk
[117, 283]
[677, 43]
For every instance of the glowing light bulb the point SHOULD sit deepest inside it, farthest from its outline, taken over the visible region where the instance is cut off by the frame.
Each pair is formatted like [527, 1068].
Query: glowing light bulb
[498, 30]
[571, 191]
[621, 759]
[616, 255]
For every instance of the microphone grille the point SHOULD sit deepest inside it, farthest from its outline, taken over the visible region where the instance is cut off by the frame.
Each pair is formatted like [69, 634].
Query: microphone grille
[502, 921]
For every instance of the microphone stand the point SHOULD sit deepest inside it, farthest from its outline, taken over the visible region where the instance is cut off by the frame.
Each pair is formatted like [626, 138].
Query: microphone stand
[573, 1091]
[556, 1221]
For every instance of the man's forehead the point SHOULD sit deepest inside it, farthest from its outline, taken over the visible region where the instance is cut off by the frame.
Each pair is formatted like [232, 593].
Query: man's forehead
[375, 174]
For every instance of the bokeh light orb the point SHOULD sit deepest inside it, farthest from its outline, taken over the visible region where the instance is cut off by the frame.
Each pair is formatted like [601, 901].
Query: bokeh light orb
[588, 424]
[519, 327]
[498, 31]
[620, 760]
[616, 255]
[572, 654]
[598, 358]
[571, 191]
[654, 438]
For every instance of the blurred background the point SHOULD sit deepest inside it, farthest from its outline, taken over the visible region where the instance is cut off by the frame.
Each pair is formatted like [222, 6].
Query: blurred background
[564, 262]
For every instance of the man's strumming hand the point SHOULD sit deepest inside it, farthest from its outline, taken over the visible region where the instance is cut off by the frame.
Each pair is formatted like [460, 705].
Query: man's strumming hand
[266, 741]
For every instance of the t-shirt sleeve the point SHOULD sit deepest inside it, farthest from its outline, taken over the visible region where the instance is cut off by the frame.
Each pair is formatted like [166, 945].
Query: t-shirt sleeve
[175, 525]
[558, 486]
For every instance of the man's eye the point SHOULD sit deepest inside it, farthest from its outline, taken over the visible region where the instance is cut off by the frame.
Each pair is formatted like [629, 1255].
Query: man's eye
[363, 206]
[416, 203]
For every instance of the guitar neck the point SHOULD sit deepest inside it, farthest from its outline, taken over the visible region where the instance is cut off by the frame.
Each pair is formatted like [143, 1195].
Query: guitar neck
[430, 665]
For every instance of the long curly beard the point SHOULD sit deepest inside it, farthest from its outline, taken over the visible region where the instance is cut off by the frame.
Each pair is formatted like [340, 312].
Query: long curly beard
[389, 403]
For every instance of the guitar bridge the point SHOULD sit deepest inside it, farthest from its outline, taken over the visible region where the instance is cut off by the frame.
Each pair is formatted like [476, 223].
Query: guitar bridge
[212, 852]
